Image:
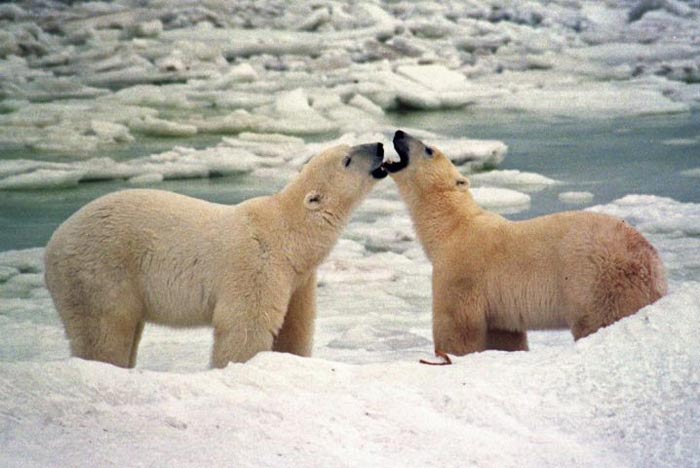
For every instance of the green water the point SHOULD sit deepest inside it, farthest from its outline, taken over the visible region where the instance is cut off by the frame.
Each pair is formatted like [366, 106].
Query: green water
[610, 158]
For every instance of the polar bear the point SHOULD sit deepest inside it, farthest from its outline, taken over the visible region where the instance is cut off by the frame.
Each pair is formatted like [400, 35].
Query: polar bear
[494, 279]
[249, 270]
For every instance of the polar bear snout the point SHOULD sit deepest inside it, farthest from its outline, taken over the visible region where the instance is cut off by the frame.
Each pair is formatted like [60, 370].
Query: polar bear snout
[374, 154]
[402, 142]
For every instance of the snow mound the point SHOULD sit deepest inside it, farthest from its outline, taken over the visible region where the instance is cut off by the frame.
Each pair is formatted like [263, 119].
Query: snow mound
[624, 396]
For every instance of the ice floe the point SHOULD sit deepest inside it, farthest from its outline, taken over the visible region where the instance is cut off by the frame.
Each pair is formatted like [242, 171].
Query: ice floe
[501, 199]
[576, 198]
[178, 163]
[656, 214]
[691, 172]
[526, 181]
[248, 151]
[327, 68]
[579, 98]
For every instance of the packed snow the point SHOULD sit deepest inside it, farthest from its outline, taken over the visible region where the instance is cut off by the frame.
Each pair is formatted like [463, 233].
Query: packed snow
[625, 396]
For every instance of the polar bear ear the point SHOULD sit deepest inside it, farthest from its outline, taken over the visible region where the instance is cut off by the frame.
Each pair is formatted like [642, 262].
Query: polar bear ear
[312, 200]
[462, 183]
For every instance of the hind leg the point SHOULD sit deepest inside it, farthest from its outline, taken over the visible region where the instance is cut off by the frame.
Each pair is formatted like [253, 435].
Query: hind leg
[625, 276]
[616, 296]
[240, 341]
[101, 333]
[109, 339]
[587, 324]
[504, 340]
[135, 344]
[597, 306]
[608, 304]
[245, 326]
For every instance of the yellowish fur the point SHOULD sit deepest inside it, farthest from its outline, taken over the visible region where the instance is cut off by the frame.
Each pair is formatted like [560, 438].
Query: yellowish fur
[249, 270]
[494, 279]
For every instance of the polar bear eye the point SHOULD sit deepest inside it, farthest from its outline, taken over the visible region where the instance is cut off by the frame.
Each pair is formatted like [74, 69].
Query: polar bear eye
[347, 161]
[429, 151]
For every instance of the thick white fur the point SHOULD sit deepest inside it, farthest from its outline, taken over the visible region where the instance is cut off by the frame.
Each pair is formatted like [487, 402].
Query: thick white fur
[493, 279]
[249, 270]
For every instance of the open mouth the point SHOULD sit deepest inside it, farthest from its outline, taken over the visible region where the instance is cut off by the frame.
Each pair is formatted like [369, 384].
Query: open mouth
[401, 146]
[378, 170]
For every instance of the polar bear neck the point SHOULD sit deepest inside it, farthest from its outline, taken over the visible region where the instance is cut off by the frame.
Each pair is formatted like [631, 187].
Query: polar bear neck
[437, 215]
[309, 235]
[336, 212]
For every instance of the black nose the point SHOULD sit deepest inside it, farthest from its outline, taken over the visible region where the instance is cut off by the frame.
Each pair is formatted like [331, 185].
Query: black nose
[399, 135]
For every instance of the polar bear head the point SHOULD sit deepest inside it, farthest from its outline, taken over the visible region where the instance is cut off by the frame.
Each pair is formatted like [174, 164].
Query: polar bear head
[422, 167]
[334, 182]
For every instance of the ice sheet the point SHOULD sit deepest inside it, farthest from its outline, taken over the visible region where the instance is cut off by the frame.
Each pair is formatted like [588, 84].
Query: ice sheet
[198, 66]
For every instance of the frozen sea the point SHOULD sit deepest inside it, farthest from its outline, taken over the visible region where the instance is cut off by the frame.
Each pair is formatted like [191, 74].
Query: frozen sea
[546, 106]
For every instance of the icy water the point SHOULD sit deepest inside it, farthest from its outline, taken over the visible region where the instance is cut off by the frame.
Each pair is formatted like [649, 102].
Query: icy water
[609, 158]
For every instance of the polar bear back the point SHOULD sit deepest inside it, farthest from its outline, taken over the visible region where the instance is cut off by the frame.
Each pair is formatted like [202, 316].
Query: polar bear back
[167, 249]
[543, 269]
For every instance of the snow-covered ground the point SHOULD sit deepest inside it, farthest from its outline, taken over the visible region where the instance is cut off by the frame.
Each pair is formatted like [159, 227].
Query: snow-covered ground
[628, 395]
[149, 91]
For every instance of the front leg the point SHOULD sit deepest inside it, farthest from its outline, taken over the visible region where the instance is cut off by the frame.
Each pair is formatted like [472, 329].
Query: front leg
[239, 343]
[459, 318]
[246, 325]
[505, 340]
[297, 333]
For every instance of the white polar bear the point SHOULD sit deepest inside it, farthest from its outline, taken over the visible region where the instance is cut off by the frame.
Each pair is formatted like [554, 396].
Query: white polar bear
[494, 279]
[249, 270]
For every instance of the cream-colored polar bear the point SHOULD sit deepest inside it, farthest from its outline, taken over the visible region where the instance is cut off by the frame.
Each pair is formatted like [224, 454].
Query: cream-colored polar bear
[249, 270]
[493, 279]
